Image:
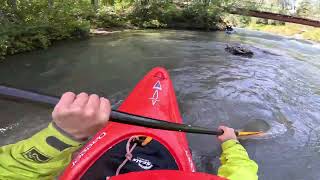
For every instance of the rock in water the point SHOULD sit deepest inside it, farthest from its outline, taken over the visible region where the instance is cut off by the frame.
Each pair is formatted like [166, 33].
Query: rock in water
[239, 50]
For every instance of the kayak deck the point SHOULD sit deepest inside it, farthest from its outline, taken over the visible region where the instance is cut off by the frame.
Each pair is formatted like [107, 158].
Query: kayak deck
[153, 97]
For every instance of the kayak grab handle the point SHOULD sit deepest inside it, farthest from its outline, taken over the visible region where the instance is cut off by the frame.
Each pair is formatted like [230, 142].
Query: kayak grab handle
[12, 93]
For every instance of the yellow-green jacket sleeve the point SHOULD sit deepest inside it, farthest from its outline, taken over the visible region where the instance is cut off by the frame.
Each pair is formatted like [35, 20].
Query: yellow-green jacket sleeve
[235, 162]
[43, 156]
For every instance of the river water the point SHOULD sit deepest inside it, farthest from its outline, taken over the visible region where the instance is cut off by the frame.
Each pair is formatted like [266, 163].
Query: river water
[279, 85]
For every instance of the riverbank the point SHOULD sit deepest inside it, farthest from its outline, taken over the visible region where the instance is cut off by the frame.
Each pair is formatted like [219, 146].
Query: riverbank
[276, 27]
[36, 25]
[289, 29]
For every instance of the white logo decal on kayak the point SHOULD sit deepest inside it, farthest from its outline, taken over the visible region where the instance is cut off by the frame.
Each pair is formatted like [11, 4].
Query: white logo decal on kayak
[143, 163]
[157, 86]
[87, 148]
[155, 97]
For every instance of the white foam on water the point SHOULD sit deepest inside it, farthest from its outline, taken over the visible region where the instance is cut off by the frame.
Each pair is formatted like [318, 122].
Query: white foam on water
[10, 127]
[276, 129]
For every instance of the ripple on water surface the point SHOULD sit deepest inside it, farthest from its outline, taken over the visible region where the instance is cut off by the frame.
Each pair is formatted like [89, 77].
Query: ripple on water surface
[279, 85]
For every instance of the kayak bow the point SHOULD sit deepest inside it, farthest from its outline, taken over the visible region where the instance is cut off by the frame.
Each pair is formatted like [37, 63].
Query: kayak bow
[153, 97]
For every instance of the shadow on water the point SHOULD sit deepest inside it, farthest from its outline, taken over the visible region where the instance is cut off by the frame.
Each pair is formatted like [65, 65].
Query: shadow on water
[279, 85]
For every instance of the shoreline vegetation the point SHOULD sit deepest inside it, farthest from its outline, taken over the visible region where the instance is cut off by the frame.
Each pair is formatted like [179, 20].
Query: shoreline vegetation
[288, 29]
[29, 25]
[302, 8]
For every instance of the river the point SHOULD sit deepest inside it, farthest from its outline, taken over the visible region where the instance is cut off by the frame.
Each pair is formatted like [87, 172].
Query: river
[279, 85]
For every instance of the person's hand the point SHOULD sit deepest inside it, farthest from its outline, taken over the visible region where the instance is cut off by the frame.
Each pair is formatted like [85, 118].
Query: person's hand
[228, 133]
[81, 116]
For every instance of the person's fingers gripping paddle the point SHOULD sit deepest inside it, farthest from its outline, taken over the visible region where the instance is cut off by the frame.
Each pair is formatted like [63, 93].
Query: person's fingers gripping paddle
[81, 116]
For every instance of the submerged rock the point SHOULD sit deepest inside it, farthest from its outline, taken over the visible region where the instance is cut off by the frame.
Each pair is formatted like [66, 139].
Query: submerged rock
[239, 50]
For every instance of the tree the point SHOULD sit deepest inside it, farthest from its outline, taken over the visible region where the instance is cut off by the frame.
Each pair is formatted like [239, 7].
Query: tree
[12, 4]
[95, 4]
[304, 8]
[107, 2]
[50, 4]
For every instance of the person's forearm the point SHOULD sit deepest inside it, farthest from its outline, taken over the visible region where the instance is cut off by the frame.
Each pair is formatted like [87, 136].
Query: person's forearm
[235, 162]
[42, 156]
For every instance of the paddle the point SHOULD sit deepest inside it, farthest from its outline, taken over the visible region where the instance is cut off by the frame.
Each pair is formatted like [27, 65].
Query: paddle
[116, 116]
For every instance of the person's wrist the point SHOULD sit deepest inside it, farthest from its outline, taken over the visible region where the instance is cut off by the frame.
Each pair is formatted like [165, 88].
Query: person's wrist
[73, 136]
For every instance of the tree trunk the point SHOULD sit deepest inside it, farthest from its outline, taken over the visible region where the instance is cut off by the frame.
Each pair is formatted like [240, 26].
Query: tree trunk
[95, 4]
[50, 4]
[109, 2]
[275, 16]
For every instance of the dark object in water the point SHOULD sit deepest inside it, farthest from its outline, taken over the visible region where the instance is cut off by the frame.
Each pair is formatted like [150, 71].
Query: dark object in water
[239, 51]
[229, 28]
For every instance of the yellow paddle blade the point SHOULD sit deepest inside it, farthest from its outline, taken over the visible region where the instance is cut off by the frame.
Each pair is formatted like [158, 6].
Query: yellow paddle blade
[248, 133]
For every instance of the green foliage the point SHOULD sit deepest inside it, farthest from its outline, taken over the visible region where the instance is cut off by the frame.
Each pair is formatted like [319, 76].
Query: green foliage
[312, 34]
[3, 46]
[245, 20]
[169, 15]
[304, 8]
[305, 32]
[107, 17]
[121, 5]
[276, 23]
[149, 15]
[32, 24]
[261, 21]
[237, 20]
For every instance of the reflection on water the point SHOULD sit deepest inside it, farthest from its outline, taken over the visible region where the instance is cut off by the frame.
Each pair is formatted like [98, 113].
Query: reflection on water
[280, 85]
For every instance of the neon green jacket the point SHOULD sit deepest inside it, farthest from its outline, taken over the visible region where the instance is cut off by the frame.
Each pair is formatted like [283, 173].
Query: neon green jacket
[235, 162]
[43, 156]
[47, 153]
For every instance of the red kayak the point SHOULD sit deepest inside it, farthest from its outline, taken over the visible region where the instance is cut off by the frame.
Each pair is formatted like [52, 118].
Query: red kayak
[160, 155]
[153, 97]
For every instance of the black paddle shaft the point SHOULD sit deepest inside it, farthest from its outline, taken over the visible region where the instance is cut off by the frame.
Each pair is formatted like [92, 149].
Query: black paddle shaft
[116, 116]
